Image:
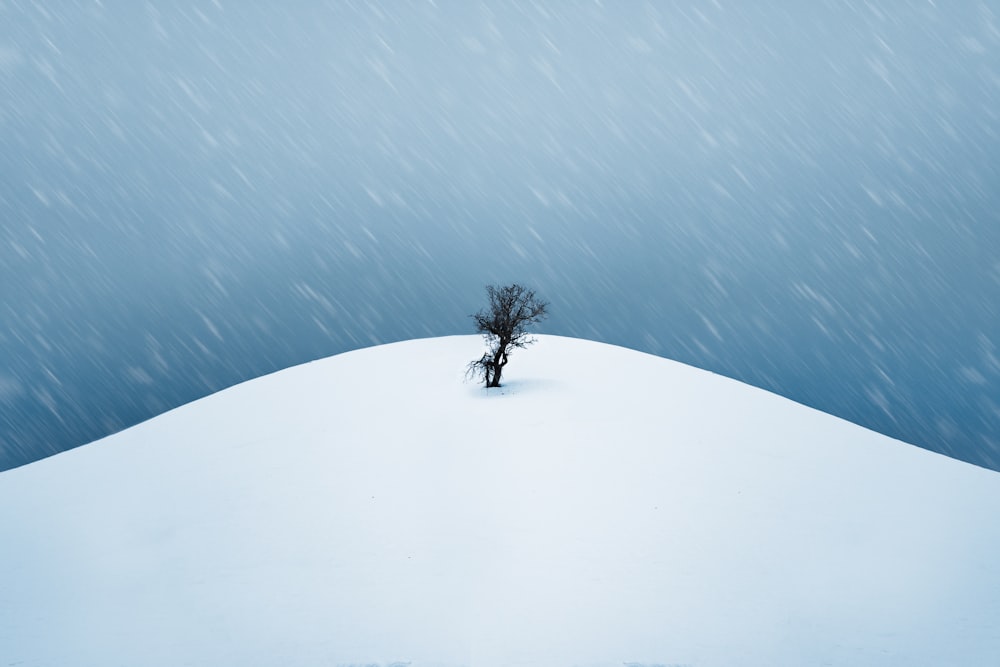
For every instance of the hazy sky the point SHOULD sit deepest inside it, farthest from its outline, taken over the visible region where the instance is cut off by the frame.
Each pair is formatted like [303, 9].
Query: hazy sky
[799, 195]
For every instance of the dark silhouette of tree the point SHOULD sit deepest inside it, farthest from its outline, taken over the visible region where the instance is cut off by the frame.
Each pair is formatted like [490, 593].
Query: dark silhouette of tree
[512, 308]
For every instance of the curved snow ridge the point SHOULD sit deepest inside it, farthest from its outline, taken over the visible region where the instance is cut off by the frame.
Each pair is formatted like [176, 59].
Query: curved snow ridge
[604, 507]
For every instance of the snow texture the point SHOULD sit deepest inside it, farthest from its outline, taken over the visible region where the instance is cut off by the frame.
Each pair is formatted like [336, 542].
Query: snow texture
[605, 507]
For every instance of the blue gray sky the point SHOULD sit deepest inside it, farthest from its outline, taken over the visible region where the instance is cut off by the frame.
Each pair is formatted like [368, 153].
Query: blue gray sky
[802, 196]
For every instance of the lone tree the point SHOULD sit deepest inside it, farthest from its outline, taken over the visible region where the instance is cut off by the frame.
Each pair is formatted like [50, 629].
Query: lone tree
[512, 308]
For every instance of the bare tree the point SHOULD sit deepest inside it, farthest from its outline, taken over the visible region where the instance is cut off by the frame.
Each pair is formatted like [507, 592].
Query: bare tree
[512, 308]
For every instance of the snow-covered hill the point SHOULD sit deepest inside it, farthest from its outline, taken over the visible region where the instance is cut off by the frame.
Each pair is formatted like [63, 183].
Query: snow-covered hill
[605, 507]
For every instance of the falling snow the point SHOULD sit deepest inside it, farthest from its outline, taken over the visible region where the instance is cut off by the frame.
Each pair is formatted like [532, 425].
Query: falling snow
[802, 196]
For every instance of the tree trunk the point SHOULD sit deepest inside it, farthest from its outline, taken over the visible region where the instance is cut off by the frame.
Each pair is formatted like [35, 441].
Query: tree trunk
[499, 360]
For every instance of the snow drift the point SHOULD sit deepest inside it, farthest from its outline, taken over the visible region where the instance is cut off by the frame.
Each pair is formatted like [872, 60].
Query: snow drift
[605, 507]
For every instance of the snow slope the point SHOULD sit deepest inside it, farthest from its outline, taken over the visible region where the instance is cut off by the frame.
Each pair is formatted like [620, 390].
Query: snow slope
[605, 507]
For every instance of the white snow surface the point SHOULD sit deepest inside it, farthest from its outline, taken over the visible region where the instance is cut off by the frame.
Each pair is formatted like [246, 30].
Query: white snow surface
[605, 507]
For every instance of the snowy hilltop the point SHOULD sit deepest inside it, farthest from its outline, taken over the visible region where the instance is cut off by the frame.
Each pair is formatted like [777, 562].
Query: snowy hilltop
[603, 507]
